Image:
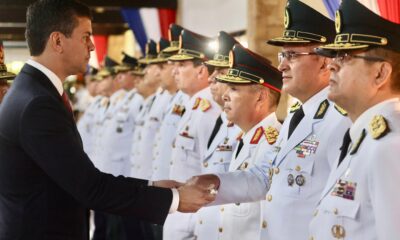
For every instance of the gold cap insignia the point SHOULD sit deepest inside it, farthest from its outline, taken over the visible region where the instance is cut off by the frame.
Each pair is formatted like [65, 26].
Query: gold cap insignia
[231, 59]
[271, 134]
[378, 127]
[338, 22]
[286, 20]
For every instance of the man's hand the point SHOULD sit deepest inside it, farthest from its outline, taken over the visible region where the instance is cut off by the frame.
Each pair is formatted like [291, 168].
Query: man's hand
[209, 181]
[197, 192]
[167, 184]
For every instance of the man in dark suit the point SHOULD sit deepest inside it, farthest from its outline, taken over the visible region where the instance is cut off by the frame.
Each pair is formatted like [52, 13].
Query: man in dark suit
[47, 182]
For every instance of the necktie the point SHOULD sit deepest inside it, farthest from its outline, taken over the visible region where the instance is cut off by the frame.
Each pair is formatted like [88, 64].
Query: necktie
[239, 147]
[297, 116]
[66, 102]
[345, 146]
[217, 126]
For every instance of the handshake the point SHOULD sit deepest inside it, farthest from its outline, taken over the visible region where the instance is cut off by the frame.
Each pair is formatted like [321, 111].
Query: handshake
[195, 193]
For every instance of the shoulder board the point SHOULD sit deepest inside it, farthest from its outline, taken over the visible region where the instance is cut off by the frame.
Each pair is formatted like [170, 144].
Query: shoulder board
[205, 105]
[257, 135]
[356, 146]
[378, 127]
[340, 110]
[239, 136]
[294, 107]
[271, 134]
[322, 109]
[178, 109]
[196, 103]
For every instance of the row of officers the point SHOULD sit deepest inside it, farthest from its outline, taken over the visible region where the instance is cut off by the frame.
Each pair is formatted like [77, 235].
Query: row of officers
[185, 110]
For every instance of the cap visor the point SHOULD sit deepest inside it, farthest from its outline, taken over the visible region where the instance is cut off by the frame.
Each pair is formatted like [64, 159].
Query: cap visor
[157, 60]
[216, 63]
[331, 50]
[280, 41]
[232, 79]
[170, 49]
[180, 57]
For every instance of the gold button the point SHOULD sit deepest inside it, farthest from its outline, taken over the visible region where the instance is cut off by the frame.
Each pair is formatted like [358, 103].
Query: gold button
[220, 229]
[264, 224]
[316, 213]
[205, 164]
[201, 222]
[298, 168]
[335, 211]
[222, 209]
[276, 170]
[338, 231]
[269, 197]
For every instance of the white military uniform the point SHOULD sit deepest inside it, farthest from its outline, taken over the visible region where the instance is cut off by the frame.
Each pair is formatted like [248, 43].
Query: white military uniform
[301, 168]
[143, 156]
[86, 124]
[166, 135]
[137, 134]
[242, 220]
[216, 160]
[190, 146]
[108, 159]
[361, 198]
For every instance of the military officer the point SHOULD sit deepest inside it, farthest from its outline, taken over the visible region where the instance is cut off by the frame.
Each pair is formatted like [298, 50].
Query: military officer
[5, 77]
[310, 137]
[142, 157]
[173, 112]
[196, 125]
[361, 197]
[250, 102]
[222, 141]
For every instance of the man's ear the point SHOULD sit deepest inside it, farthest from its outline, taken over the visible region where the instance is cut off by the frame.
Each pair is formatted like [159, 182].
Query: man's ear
[383, 74]
[56, 41]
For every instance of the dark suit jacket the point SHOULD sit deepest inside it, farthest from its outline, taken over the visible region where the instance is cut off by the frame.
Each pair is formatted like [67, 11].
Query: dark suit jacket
[47, 182]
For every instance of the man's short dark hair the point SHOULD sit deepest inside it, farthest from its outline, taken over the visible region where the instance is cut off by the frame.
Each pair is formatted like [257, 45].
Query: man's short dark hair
[46, 16]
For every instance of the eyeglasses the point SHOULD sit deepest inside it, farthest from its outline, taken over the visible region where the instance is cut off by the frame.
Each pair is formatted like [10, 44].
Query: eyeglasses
[292, 55]
[343, 57]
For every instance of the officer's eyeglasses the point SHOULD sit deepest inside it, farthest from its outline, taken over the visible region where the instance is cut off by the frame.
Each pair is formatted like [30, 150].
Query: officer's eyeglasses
[292, 55]
[343, 57]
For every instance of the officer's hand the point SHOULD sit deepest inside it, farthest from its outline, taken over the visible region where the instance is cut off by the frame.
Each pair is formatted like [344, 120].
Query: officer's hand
[192, 197]
[209, 181]
[167, 184]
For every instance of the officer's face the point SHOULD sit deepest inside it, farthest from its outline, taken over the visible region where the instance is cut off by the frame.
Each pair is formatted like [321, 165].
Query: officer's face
[167, 77]
[218, 88]
[352, 82]
[187, 75]
[240, 102]
[76, 48]
[105, 86]
[300, 74]
[152, 75]
[125, 80]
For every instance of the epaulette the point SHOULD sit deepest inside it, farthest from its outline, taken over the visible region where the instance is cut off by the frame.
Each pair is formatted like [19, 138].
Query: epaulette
[257, 135]
[322, 109]
[340, 110]
[196, 103]
[205, 105]
[378, 127]
[356, 146]
[271, 134]
[294, 107]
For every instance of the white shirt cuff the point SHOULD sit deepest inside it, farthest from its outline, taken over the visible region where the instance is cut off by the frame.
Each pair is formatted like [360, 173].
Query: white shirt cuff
[175, 201]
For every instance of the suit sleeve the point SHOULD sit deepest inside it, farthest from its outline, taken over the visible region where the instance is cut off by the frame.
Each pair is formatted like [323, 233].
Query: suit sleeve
[49, 137]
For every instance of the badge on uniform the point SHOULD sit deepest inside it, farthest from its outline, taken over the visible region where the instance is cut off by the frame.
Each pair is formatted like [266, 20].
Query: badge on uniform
[307, 147]
[257, 135]
[344, 189]
[178, 110]
[271, 134]
[224, 147]
[185, 133]
[196, 103]
[205, 105]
